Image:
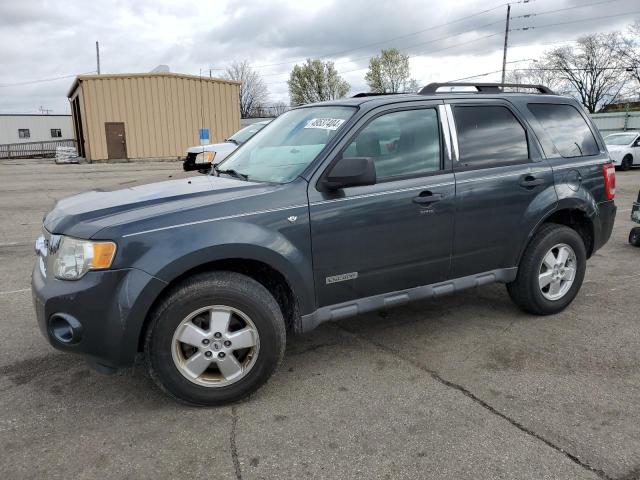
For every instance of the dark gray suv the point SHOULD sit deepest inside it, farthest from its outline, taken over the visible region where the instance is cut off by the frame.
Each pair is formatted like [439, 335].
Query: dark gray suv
[332, 210]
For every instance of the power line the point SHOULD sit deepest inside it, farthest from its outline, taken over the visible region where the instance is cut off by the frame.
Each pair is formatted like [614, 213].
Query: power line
[30, 82]
[574, 21]
[546, 12]
[433, 27]
[410, 56]
[368, 57]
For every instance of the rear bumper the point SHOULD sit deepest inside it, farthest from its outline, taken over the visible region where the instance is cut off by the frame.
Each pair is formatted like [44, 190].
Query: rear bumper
[603, 228]
[107, 307]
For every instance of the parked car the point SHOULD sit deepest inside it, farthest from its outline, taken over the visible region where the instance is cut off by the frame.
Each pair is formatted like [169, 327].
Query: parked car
[335, 209]
[202, 157]
[634, 235]
[624, 149]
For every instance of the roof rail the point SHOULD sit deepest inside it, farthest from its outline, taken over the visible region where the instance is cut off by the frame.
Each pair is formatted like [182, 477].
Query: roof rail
[484, 87]
[376, 94]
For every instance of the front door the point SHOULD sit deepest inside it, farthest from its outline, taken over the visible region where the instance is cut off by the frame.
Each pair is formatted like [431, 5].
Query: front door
[393, 235]
[116, 140]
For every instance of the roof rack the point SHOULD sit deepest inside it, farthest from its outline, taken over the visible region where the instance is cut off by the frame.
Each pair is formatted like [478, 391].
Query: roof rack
[484, 87]
[376, 94]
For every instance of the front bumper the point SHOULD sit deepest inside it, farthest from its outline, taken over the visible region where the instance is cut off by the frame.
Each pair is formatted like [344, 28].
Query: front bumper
[110, 306]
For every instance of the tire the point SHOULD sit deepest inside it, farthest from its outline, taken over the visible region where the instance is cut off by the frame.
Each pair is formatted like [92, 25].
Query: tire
[526, 291]
[634, 237]
[251, 310]
[626, 163]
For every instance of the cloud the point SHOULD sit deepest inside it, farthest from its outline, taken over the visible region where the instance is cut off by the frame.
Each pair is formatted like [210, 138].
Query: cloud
[45, 39]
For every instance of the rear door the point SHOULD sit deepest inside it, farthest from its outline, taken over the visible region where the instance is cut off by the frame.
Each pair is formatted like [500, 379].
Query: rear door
[503, 186]
[396, 234]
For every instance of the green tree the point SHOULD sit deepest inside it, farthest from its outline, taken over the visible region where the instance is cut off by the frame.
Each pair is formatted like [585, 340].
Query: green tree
[316, 81]
[389, 72]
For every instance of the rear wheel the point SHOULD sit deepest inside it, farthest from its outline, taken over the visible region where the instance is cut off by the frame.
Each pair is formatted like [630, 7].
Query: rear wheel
[551, 271]
[634, 237]
[215, 339]
[626, 163]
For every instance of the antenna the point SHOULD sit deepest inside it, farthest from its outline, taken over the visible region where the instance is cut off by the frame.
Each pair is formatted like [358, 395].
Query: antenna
[98, 57]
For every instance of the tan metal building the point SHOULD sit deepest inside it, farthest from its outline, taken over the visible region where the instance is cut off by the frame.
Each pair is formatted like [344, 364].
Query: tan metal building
[150, 115]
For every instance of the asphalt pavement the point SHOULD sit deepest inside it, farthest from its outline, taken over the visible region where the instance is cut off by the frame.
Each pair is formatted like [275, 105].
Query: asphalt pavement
[463, 387]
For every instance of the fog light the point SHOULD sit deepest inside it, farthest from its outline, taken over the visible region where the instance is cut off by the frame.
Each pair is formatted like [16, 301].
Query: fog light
[65, 329]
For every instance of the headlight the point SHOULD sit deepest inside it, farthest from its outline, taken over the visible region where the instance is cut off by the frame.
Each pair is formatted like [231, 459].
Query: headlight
[73, 257]
[205, 157]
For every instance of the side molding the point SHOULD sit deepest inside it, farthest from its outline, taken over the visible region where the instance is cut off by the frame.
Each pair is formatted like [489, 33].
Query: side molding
[400, 297]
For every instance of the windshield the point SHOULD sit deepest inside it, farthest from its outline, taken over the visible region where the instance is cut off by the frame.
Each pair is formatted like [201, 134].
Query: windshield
[620, 139]
[246, 133]
[287, 145]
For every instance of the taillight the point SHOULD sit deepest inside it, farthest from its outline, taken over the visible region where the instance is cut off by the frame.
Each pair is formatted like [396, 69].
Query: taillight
[609, 174]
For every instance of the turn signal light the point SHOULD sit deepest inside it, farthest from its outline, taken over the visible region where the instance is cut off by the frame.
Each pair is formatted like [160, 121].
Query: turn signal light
[103, 253]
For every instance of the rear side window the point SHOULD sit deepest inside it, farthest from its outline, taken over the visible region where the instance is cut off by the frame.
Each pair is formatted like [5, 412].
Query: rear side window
[569, 132]
[489, 136]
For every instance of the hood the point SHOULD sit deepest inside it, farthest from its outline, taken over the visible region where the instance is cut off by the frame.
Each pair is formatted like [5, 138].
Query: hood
[616, 148]
[224, 147]
[85, 214]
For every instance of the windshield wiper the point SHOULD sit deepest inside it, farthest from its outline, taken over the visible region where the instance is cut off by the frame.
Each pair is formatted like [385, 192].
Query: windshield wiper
[232, 140]
[230, 171]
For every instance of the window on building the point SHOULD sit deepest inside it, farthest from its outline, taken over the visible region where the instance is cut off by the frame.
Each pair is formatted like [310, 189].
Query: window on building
[56, 133]
[568, 130]
[489, 136]
[400, 143]
[24, 133]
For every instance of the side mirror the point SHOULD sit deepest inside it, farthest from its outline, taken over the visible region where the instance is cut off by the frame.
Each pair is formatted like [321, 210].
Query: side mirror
[350, 172]
[202, 162]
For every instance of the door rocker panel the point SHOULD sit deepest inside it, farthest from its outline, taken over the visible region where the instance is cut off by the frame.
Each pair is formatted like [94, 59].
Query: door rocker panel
[392, 299]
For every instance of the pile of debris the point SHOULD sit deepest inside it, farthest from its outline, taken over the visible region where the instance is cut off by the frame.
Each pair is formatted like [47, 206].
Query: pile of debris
[67, 155]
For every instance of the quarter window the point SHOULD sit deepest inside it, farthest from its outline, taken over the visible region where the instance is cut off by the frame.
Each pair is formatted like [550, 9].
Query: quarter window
[400, 143]
[24, 133]
[570, 135]
[489, 136]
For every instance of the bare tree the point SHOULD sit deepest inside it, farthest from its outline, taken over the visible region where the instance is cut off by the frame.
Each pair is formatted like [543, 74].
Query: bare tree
[253, 90]
[279, 108]
[537, 72]
[630, 52]
[593, 70]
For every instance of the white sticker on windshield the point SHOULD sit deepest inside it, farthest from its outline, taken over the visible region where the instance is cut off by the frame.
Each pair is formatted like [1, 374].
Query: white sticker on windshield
[324, 123]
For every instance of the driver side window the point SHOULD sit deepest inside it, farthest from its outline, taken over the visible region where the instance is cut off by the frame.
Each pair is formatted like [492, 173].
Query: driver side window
[400, 143]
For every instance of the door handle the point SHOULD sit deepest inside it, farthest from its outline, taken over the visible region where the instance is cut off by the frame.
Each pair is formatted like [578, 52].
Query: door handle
[529, 181]
[427, 197]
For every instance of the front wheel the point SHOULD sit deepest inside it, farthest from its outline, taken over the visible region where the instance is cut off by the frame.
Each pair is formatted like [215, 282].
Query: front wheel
[216, 338]
[551, 271]
[626, 163]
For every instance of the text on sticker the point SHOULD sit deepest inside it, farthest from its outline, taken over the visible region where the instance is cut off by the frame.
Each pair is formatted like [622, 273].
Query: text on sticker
[324, 123]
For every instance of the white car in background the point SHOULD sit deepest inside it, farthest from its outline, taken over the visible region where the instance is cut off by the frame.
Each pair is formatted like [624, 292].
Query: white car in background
[203, 156]
[624, 149]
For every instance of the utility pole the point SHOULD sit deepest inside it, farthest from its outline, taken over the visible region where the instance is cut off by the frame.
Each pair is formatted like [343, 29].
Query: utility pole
[506, 43]
[98, 57]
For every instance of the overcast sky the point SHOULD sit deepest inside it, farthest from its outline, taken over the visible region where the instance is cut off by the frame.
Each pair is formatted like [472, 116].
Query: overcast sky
[446, 40]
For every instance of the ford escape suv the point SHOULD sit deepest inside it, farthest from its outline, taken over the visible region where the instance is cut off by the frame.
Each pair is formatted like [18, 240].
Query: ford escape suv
[332, 210]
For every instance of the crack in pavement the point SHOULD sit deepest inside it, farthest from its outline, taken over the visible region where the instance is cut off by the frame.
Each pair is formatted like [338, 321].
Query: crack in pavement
[436, 376]
[232, 441]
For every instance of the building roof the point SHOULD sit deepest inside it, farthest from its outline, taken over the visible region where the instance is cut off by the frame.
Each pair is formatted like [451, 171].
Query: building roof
[35, 114]
[81, 78]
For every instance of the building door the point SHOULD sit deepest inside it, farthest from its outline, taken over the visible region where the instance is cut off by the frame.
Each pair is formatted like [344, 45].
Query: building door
[116, 140]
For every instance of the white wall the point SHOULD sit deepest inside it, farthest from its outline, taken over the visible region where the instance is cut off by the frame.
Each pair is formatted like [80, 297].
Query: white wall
[616, 122]
[39, 127]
